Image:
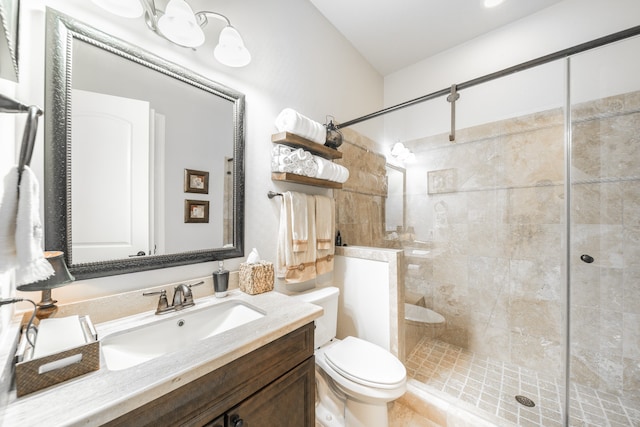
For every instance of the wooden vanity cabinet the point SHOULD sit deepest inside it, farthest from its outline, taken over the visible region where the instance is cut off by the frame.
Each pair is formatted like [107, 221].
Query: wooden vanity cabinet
[273, 386]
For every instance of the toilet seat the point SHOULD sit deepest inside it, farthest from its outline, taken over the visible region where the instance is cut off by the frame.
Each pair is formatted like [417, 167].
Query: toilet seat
[365, 363]
[416, 313]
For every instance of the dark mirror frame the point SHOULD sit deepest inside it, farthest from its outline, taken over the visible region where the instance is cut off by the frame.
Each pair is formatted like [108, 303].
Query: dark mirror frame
[61, 31]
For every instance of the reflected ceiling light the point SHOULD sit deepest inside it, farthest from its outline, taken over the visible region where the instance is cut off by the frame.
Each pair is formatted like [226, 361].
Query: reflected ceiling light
[180, 25]
[492, 3]
[402, 153]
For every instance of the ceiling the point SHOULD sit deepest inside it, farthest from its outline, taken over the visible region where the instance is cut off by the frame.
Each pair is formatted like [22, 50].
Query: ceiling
[393, 34]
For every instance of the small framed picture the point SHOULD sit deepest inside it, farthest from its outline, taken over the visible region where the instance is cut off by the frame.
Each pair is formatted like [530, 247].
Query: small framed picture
[442, 181]
[196, 211]
[196, 181]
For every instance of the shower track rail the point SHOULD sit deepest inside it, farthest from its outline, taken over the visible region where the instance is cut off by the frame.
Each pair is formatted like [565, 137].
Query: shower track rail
[583, 47]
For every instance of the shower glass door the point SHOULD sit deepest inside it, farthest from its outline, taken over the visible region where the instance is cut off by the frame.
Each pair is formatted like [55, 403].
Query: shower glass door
[604, 249]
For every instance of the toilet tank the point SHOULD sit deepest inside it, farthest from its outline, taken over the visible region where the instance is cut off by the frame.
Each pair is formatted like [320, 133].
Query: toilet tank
[326, 325]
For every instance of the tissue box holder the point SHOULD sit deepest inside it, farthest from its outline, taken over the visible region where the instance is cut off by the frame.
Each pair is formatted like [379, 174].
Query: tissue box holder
[36, 374]
[256, 278]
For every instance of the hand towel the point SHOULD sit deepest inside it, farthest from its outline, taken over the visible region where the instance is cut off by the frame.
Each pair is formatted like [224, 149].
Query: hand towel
[299, 222]
[325, 230]
[290, 120]
[8, 213]
[21, 229]
[58, 334]
[295, 267]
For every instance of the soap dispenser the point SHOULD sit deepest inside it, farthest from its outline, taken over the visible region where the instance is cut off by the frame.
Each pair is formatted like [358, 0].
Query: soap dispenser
[220, 281]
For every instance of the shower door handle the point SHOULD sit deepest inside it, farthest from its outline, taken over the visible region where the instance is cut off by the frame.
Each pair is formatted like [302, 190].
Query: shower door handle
[587, 258]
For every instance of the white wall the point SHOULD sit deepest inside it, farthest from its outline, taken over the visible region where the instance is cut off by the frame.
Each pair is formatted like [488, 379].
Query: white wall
[299, 61]
[363, 311]
[558, 27]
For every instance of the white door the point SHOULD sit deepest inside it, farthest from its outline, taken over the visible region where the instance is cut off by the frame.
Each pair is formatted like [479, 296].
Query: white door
[109, 177]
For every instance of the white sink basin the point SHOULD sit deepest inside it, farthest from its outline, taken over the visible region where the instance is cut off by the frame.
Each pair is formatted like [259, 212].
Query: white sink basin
[139, 344]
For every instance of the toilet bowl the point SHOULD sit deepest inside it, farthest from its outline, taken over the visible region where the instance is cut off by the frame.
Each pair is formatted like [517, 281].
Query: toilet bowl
[420, 322]
[355, 378]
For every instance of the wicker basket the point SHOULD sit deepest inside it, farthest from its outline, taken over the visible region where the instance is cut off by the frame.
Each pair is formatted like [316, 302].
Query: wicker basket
[256, 278]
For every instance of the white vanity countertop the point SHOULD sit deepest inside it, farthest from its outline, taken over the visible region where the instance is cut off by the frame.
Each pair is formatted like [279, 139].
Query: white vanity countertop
[98, 397]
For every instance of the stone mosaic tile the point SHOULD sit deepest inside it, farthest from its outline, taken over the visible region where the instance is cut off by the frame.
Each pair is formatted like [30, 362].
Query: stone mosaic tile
[491, 386]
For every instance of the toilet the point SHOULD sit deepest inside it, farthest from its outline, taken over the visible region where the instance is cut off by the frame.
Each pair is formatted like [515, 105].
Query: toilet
[355, 379]
[420, 322]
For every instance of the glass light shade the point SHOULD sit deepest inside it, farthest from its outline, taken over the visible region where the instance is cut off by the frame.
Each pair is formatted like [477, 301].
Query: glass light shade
[124, 8]
[230, 50]
[179, 25]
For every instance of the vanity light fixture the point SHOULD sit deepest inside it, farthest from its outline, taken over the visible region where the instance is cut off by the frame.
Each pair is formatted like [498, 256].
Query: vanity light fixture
[180, 25]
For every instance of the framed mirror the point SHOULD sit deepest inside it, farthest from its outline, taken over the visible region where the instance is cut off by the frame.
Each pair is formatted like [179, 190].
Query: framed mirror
[144, 159]
[9, 18]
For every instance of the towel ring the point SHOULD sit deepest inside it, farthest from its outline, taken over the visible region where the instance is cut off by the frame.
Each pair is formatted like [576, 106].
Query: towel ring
[8, 105]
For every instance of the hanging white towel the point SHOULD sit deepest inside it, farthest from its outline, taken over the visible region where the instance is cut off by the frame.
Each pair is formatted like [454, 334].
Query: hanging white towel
[8, 213]
[325, 230]
[21, 229]
[295, 267]
[299, 221]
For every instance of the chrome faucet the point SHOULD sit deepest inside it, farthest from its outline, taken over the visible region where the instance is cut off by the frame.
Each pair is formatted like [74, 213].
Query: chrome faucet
[182, 298]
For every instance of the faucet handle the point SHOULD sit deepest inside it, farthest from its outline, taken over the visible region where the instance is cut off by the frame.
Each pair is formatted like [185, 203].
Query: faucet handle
[188, 296]
[196, 284]
[163, 303]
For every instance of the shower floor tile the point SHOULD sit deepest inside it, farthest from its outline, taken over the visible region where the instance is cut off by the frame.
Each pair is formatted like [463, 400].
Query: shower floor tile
[492, 386]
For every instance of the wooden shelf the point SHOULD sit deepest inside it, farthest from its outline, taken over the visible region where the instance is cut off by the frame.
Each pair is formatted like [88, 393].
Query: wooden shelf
[296, 141]
[300, 179]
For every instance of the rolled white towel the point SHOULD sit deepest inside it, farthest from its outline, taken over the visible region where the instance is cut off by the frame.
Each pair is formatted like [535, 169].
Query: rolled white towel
[324, 168]
[331, 171]
[290, 120]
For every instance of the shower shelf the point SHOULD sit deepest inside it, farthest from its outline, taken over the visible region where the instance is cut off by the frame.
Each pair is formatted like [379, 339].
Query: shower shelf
[295, 141]
[301, 179]
[292, 140]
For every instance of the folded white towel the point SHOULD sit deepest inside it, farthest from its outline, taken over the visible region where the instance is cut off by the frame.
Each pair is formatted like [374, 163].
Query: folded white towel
[21, 230]
[58, 334]
[290, 120]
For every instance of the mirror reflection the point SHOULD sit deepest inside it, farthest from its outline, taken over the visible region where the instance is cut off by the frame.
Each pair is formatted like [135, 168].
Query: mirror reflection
[145, 139]
[152, 175]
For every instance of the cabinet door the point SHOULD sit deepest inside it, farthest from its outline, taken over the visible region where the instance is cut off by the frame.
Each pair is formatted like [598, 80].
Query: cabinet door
[287, 402]
[218, 422]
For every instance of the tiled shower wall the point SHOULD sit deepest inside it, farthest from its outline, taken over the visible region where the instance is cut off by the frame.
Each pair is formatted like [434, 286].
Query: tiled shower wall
[360, 203]
[488, 211]
[488, 214]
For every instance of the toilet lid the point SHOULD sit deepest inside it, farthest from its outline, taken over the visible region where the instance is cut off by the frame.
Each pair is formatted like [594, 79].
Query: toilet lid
[365, 363]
